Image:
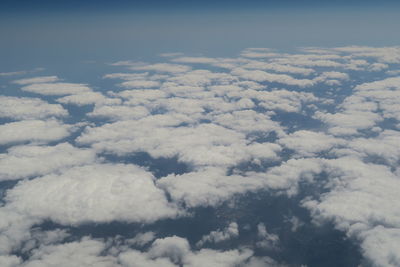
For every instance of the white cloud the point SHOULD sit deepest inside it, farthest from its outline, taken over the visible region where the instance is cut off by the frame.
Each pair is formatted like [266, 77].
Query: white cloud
[10, 261]
[21, 108]
[92, 193]
[27, 161]
[231, 231]
[277, 67]
[33, 131]
[381, 246]
[140, 84]
[85, 252]
[308, 143]
[56, 88]
[362, 197]
[163, 67]
[208, 187]
[119, 112]
[267, 240]
[262, 76]
[87, 98]
[142, 239]
[41, 79]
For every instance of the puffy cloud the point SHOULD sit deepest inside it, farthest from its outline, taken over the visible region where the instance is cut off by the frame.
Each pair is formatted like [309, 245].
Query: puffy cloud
[140, 84]
[231, 231]
[383, 54]
[267, 240]
[86, 252]
[208, 257]
[87, 98]
[41, 79]
[141, 239]
[309, 143]
[248, 121]
[201, 78]
[28, 161]
[262, 76]
[363, 201]
[56, 88]
[10, 261]
[208, 187]
[135, 258]
[381, 245]
[92, 193]
[277, 67]
[258, 53]
[33, 131]
[163, 67]
[21, 108]
[12, 73]
[204, 144]
[177, 250]
[119, 112]
[385, 145]
[283, 100]
[348, 123]
[174, 247]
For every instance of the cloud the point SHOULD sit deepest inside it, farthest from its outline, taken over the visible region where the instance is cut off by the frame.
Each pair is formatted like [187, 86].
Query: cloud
[28, 161]
[41, 131]
[363, 201]
[309, 143]
[204, 144]
[232, 125]
[231, 231]
[92, 193]
[262, 76]
[208, 187]
[163, 67]
[41, 79]
[9, 261]
[21, 108]
[277, 67]
[382, 54]
[259, 53]
[87, 98]
[86, 252]
[267, 240]
[117, 112]
[381, 246]
[140, 84]
[56, 88]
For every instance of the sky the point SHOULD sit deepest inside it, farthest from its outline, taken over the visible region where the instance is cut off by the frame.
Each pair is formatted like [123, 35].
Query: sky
[60, 31]
[199, 133]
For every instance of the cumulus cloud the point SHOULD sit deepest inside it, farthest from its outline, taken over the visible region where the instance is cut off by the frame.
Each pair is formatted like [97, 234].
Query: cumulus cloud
[28, 161]
[41, 79]
[140, 84]
[235, 130]
[204, 144]
[267, 240]
[56, 88]
[163, 67]
[262, 76]
[309, 143]
[41, 131]
[92, 193]
[88, 98]
[207, 187]
[231, 231]
[21, 108]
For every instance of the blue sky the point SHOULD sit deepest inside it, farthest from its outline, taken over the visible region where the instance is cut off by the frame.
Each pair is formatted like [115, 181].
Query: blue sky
[48, 31]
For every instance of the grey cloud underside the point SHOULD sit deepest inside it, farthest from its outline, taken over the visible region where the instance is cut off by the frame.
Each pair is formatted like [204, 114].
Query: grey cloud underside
[262, 122]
